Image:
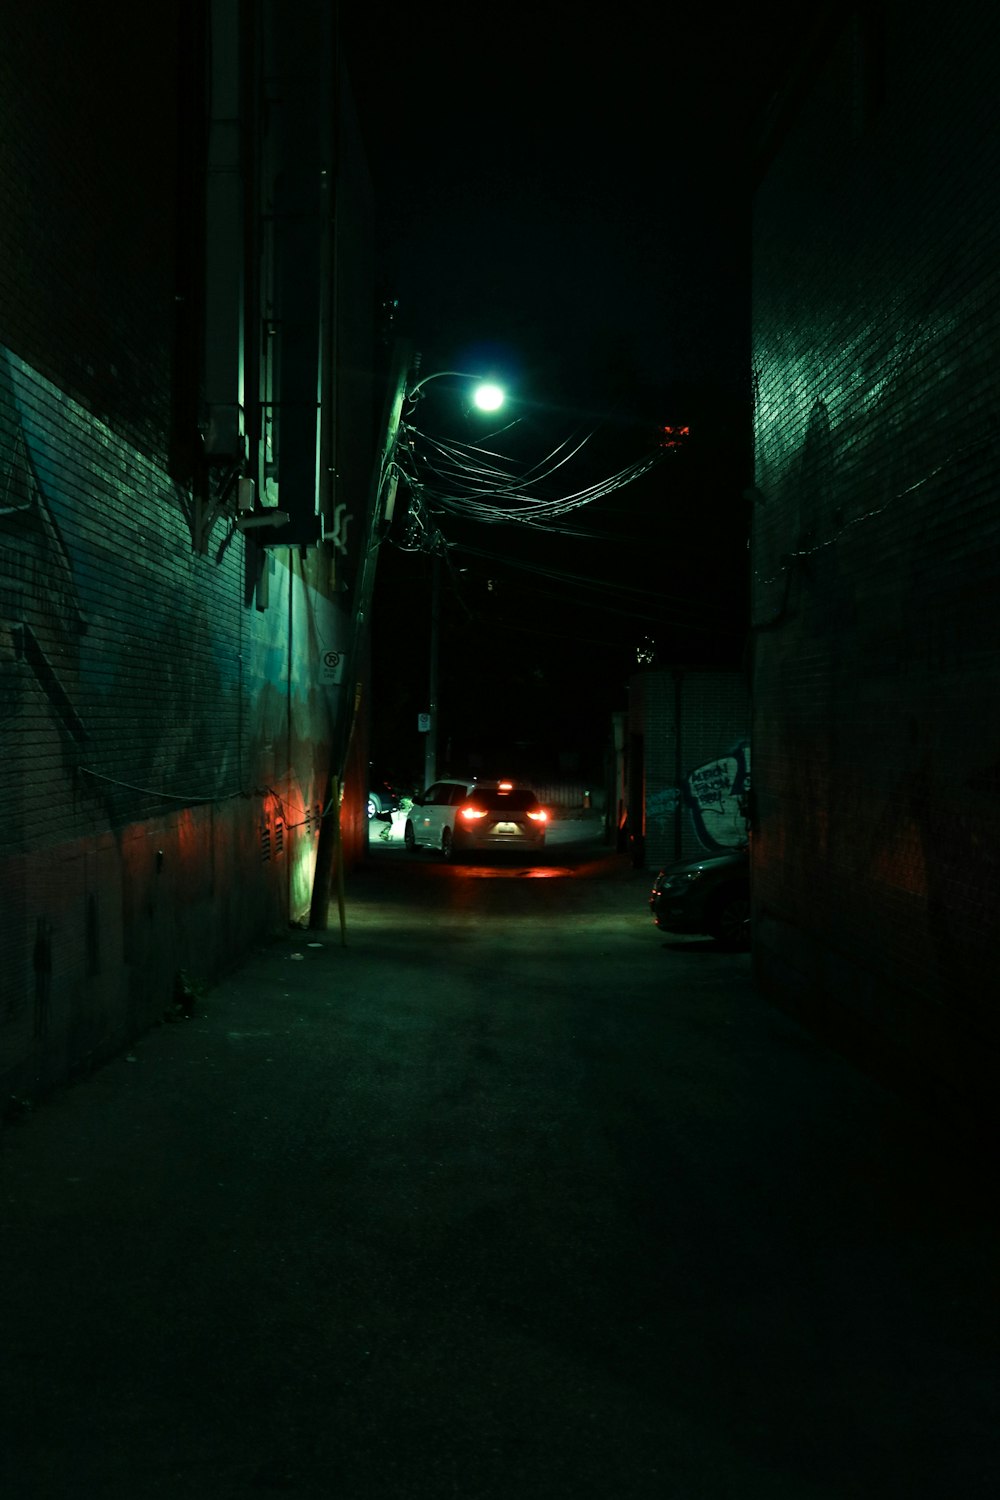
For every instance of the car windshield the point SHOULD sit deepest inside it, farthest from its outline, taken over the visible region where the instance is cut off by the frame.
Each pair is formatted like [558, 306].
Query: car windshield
[493, 800]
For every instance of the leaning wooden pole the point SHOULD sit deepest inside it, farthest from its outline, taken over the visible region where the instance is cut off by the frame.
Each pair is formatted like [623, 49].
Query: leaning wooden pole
[329, 851]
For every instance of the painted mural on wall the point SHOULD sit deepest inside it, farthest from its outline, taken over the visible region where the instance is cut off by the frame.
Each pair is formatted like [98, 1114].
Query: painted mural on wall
[715, 796]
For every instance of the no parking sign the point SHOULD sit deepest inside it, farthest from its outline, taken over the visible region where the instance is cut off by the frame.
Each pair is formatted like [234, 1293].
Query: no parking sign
[332, 669]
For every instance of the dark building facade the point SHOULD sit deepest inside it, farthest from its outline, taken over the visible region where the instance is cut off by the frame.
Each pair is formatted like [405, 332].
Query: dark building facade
[186, 440]
[876, 545]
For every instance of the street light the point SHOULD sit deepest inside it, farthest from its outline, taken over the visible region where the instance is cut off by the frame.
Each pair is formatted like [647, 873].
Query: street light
[487, 395]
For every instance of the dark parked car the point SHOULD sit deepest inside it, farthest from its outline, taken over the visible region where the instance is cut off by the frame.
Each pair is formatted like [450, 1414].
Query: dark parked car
[709, 897]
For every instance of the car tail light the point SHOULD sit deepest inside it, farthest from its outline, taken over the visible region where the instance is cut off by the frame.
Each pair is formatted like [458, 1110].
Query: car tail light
[505, 786]
[538, 814]
[472, 813]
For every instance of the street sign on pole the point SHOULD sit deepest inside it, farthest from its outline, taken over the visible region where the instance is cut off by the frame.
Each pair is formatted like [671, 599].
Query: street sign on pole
[332, 670]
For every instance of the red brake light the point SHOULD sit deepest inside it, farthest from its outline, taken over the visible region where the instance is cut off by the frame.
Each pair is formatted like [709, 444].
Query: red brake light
[505, 786]
[471, 813]
[539, 814]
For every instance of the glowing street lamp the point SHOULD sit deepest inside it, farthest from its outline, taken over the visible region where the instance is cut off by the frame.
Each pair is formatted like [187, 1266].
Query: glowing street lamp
[486, 394]
[488, 397]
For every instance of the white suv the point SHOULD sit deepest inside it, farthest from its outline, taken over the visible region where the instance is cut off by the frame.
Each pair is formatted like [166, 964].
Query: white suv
[461, 816]
[431, 820]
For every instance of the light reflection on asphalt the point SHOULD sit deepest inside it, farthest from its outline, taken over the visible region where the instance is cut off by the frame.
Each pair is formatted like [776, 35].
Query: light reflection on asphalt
[571, 859]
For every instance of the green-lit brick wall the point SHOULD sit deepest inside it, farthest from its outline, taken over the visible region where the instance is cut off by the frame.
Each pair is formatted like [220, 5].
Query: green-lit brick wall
[163, 740]
[876, 552]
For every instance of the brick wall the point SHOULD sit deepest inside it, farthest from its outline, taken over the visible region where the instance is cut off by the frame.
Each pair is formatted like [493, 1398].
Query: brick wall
[689, 763]
[163, 742]
[876, 551]
[164, 739]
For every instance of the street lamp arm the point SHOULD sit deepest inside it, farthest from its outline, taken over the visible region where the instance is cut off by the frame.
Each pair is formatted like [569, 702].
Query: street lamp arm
[414, 392]
[488, 397]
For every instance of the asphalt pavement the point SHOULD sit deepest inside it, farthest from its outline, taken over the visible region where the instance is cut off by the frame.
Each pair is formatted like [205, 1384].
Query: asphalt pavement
[506, 1196]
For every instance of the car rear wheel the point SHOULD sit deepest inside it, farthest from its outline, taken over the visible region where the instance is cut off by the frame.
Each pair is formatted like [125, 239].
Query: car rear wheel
[447, 844]
[409, 837]
[731, 923]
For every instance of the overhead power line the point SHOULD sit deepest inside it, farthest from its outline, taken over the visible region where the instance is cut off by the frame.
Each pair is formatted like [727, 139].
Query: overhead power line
[446, 477]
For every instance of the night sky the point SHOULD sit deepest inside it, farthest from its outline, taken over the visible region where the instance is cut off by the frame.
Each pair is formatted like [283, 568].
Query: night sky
[567, 204]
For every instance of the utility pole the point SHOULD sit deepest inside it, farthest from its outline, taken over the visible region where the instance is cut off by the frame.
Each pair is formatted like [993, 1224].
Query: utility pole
[431, 744]
[329, 852]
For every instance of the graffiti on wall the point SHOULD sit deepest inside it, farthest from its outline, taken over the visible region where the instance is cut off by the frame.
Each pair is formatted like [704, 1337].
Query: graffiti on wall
[715, 796]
